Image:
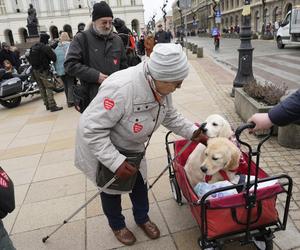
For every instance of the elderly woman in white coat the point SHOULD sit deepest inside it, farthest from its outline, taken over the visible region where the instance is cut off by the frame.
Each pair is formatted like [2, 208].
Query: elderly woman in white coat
[115, 129]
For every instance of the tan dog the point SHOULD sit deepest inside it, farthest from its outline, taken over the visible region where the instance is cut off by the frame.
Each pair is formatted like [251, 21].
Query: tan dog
[219, 155]
[217, 126]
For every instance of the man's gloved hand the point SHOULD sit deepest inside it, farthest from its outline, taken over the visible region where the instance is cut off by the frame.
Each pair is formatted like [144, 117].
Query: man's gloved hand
[125, 170]
[199, 136]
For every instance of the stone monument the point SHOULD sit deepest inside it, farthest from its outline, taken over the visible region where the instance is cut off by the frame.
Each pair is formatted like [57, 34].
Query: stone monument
[32, 22]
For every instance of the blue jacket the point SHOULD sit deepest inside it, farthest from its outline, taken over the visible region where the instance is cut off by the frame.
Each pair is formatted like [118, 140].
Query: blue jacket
[287, 111]
[61, 51]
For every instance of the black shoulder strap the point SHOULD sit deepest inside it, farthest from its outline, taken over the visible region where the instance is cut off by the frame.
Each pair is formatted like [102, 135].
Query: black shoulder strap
[85, 50]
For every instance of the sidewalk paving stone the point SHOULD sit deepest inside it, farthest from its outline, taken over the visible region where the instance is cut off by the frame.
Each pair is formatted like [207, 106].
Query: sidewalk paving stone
[37, 150]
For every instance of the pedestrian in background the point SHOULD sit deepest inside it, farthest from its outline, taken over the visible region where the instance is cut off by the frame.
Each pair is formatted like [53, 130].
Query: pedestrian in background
[61, 52]
[7, 54]
[40, 57]
[161, 36]
[149, 44]
[282, 114]
[96, 53]
[112, 133]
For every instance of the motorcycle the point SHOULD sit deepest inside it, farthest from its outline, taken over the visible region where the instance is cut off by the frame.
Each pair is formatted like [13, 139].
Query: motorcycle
[15, 86]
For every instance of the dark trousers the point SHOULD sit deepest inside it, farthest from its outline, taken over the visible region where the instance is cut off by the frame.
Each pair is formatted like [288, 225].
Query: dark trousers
[112, 208]
[5, 242]
[69, 82]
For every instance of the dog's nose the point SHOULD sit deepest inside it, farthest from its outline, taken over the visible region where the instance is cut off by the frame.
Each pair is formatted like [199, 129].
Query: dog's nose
[203, 127]
[203, 169]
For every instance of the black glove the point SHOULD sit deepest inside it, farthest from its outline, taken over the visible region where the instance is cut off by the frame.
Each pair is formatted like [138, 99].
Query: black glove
[125, 170]
[199, 135]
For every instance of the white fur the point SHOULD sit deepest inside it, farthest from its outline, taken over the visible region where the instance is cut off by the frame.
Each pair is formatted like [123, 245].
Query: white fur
[217, 126]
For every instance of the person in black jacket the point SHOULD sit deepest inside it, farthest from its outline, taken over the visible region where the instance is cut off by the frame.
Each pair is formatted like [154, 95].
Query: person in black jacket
[284, 113]
[96, 53]
[7, 205]
[40, 57]
[161, 36]
[7, 54]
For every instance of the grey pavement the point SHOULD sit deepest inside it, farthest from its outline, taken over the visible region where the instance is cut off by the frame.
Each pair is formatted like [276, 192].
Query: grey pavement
[269, 62]
[37, 150]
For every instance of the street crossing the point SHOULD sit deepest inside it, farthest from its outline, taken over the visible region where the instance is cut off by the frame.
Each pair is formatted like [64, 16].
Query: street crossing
[269, 63]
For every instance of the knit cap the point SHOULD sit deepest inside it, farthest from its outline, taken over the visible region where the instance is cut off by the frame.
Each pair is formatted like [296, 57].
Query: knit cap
[168, 62]
[101, 9]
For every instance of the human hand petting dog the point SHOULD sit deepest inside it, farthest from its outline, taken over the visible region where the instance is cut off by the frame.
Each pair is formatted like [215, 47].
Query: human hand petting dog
[125, 170]
[199, 136]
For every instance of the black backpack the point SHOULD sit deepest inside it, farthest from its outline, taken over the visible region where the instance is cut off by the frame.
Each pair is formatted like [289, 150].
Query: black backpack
[36, 56]
[7, 195]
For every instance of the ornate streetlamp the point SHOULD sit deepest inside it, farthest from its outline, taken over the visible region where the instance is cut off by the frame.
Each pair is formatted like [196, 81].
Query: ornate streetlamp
[245, 71]
[165, 13]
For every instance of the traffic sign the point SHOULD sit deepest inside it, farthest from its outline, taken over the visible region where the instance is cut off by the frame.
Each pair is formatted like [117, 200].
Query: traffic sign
[218, 13]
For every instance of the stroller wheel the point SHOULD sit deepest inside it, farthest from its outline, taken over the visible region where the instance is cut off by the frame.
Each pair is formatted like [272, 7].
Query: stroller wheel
[216, 246]
[175, 190]
[264, 242]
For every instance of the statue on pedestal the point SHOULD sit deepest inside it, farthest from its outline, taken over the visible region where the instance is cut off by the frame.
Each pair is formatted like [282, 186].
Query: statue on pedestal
[32, 21]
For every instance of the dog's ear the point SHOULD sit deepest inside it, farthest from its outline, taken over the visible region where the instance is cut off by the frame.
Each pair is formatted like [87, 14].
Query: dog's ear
[235, 158]
[225, 130]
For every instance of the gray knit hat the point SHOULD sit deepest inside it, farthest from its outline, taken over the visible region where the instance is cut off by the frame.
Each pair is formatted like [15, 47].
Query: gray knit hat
[168, 62]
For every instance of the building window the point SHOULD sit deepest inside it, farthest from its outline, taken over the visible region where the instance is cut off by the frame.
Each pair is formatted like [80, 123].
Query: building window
[132, 2]
[119, 3]
[232, 4]
[2, 7]
[237, 3]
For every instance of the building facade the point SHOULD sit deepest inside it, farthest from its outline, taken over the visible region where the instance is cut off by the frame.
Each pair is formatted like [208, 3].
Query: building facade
[200, 16]
[56, 15]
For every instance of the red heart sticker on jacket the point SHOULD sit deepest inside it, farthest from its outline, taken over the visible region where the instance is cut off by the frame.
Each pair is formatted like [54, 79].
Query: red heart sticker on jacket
[137, 128]
[3, 182]
[108, 103]
[115, 61]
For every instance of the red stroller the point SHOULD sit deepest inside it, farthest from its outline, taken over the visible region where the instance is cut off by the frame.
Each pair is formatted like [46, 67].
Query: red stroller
[250, 215]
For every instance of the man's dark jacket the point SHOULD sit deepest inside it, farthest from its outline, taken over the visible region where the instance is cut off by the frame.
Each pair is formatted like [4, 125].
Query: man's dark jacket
[162, 37]
[287, 111]
[106, 55]
[48, 55]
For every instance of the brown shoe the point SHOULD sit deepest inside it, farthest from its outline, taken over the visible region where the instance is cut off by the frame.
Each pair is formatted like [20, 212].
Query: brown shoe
[125, 236]
[150, 229]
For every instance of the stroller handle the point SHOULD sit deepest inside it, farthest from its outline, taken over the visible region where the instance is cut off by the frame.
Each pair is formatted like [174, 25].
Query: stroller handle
[241, 128]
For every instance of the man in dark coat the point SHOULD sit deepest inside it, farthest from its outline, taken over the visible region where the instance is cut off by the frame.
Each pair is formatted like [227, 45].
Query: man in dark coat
[40, 57]
[161, 36]
[96, 53]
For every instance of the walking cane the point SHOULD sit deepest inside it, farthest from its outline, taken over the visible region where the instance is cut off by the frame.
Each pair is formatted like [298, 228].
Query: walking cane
[171, 162]
[77, 211]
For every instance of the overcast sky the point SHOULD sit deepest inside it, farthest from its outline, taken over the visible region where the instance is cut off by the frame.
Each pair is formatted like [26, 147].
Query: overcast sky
[154, 6]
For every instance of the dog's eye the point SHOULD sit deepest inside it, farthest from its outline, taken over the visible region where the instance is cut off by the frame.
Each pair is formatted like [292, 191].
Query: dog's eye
[215, 158]
[215, 124]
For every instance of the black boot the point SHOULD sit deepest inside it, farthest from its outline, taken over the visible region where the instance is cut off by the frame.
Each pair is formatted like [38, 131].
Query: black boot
[55, 108]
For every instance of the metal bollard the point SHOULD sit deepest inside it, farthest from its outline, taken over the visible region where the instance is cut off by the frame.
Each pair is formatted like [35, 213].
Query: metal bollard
[195, 48]
[200, 52]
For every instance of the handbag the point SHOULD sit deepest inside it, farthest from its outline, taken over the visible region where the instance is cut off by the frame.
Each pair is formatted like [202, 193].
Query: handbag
[104, 174]
[81, 97]
[7, 194]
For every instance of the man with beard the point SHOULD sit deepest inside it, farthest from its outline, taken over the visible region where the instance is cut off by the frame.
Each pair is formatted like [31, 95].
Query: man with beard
[96, 53]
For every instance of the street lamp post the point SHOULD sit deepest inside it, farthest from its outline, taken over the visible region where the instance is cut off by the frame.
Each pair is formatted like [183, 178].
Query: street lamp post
[245, 71]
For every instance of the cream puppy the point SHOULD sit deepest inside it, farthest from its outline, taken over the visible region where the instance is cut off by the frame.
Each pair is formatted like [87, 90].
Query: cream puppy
[217, 126]
[220, 154]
